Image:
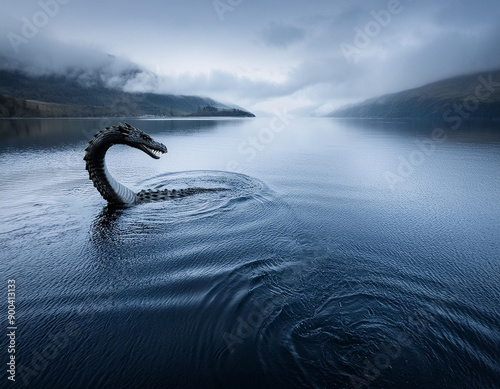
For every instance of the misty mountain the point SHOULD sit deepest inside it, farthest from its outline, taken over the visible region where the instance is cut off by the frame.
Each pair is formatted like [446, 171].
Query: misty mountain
[80, 93]
[473, 96]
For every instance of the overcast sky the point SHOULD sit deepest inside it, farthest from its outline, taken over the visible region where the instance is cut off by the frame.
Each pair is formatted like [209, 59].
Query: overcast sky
[259, 54]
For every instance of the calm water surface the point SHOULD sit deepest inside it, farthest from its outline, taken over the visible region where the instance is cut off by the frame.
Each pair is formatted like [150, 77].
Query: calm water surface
[344, 254]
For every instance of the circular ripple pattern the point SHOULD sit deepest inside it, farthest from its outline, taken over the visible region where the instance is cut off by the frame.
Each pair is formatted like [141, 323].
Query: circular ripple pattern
[234, 188]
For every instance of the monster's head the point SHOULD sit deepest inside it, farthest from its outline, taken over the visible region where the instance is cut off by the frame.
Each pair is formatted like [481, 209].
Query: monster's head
[131, 136]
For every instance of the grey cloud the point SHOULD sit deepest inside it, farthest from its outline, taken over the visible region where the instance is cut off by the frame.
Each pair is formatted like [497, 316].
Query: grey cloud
[86, 65]
[199, 54]
[282, 35]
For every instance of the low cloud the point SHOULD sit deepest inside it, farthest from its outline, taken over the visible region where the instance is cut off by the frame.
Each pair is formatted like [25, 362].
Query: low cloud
[87, 65]
[255, 58]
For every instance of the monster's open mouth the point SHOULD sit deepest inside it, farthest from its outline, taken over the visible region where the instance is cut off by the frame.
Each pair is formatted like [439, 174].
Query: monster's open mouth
[153, 152]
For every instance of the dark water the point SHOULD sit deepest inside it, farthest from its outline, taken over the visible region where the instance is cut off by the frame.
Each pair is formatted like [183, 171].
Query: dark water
[345, 254]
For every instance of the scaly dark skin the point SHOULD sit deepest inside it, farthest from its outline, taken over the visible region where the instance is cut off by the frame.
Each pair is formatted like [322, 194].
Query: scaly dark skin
[110, 189]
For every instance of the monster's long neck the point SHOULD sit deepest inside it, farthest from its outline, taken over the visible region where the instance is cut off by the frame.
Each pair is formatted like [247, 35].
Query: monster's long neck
[108, 187]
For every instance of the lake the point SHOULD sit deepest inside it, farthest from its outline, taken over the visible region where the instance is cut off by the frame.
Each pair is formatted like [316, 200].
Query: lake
[343, 254]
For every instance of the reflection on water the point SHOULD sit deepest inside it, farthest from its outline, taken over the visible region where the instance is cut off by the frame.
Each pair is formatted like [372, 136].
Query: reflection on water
[104, 228]
[39, 133]
[482, 131]
[309, 271]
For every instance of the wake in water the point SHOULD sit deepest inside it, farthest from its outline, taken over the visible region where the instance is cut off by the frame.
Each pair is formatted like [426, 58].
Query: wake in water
[229, 189]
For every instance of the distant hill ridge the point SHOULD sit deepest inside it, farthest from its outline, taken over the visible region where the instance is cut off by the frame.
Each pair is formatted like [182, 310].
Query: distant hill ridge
[22, 95]
[472, 96]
